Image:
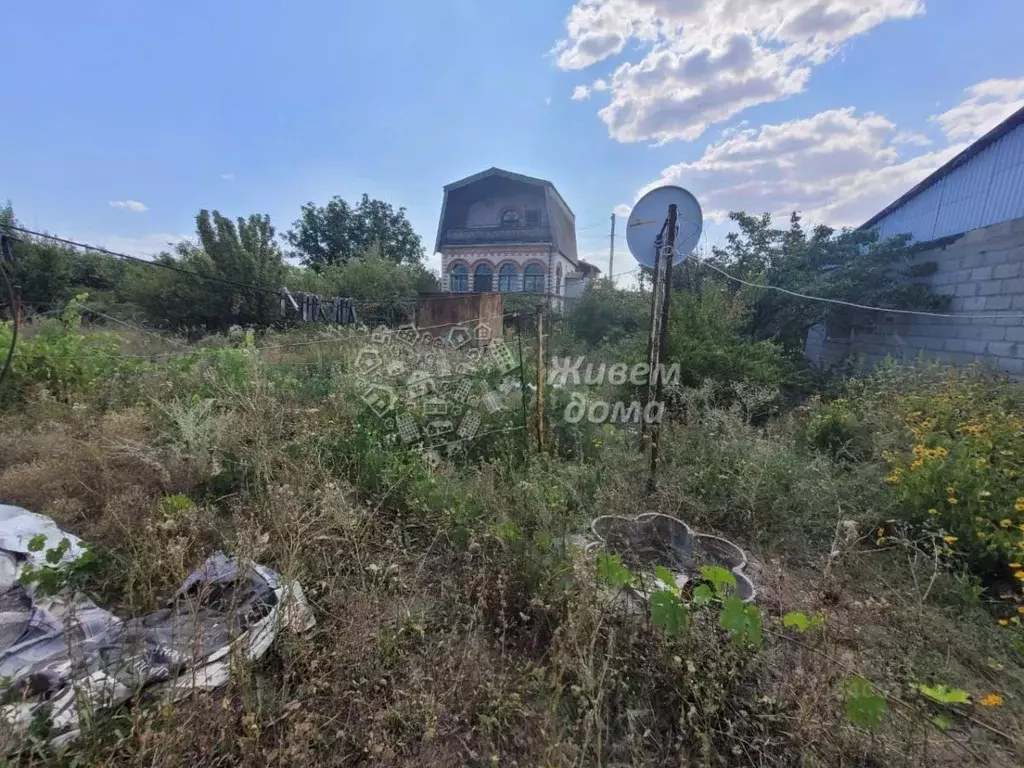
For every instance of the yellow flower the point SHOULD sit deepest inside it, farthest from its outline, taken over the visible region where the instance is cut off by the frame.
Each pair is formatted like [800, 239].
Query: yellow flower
[881, 532]
[992, 700]
[941, 452]
[1015, 566]
[949, 539]
[1019, 575]
[1003, 623]
[951, 490]
[1019, 506]
[894, 478]
[933, 511]
[917, 463]
[1020, 609]
[952, 500]
[1005, 523]
[980, 534]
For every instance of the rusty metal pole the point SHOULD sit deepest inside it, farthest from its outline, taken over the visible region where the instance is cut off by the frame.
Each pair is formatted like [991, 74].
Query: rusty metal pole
[652, 341]
[540, 378]
[659, 391]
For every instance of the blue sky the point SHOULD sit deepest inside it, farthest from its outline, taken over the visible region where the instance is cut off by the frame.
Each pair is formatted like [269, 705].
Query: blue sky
[834, 107]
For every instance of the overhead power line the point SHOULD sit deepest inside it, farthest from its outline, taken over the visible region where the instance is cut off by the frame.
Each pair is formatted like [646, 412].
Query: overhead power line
[921, 313]
[137, 260]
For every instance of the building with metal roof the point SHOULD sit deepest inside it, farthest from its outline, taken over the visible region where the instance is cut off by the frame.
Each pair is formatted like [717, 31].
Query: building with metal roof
[967, 219]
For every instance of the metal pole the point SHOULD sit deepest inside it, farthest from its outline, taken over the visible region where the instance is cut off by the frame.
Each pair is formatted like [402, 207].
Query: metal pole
[659, 391]
[540, 378]
[611, 253]
[652, 340]
[522, 382]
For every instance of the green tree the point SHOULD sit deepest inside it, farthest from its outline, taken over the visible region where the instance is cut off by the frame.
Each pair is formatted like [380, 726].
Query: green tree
[849, 265]
[337, 232]
[243, 252]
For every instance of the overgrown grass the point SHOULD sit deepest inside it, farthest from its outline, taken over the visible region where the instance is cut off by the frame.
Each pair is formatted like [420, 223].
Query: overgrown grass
[457, 624]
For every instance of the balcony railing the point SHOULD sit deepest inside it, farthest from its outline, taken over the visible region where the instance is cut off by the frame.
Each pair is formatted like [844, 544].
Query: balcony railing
[489, 235]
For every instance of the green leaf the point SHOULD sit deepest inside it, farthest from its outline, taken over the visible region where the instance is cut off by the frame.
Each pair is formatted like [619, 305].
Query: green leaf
[668, 612]
[796, 619]
[611, 570]
[665, 576]
[741, 621]
[722, 579]
[702, 595]
[942, 694]
[37, 542]
[864, 707]
[942, 721]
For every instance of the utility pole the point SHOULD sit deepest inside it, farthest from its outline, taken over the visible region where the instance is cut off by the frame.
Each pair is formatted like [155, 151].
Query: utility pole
[540, 378]
[611, 253]
[659, 391]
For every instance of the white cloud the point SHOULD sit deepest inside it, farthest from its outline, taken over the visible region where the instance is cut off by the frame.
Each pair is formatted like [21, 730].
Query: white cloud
[837, 167]
[708, 60]
[547, 100]
[228, 176]
[582, 93]
[129, 205]
[988, 103]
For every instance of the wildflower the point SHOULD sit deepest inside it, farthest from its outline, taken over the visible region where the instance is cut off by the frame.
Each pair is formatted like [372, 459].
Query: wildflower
[1020, 609]
[985, 494]
[881, 532]
[1015, 566]
[952, 500]
[1005, 523]
[1019, 575]
[894, 478]
[979, 519]
[992, 700]
[1019, 506]
[1004, 623]
[933, 511]
[949, 539]
[980, 534]
[950, 490]
[917, 463]
[941, 452]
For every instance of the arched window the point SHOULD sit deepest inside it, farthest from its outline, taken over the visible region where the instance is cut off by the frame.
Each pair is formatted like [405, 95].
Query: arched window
[483, 278]
[558, 280]
[510, 217]
[459, 279]
[533, 279]
[507, 278]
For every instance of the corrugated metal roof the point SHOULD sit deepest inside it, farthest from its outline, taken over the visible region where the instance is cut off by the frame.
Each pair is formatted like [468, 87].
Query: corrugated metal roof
[983, 185]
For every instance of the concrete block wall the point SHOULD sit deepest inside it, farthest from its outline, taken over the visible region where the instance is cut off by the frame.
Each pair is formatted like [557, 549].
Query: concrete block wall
[983, 271]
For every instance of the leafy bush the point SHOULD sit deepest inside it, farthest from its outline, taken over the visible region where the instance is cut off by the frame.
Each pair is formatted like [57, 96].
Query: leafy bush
[604, 314]
[963, 471]
[953, 444]
[60, 359]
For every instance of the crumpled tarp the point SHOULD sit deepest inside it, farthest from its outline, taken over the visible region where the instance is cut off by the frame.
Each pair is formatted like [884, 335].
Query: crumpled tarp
[66, 655]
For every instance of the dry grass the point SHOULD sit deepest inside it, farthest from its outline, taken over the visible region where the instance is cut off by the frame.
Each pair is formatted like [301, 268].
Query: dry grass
[442, 638]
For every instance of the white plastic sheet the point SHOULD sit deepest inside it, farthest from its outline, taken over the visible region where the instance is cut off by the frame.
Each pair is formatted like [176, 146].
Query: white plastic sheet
[67, 655]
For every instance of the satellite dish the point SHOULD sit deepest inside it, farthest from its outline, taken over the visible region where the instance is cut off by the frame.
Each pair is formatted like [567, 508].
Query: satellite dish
[648, 217]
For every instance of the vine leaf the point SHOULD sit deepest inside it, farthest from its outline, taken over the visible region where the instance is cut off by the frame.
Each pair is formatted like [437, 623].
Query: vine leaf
[667, 611]
[864, 706]
[611, 570]
[665, 577]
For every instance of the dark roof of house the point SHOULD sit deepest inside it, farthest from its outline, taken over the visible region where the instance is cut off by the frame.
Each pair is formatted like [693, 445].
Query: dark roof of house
[1013, 121]
[561, 219]
[492, 171]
